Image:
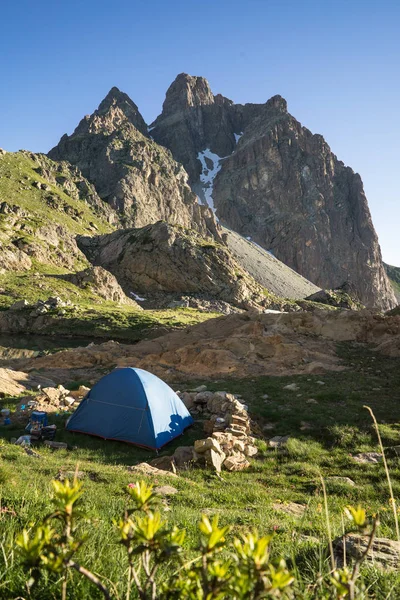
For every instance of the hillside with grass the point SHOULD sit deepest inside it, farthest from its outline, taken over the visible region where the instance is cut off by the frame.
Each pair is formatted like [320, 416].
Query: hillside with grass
[394, 276]
[44, 206]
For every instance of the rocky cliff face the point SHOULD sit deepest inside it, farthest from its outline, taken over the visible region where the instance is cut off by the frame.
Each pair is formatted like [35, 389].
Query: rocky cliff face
[136, 176]
[168, 259]
[193, 120]
[278, 184]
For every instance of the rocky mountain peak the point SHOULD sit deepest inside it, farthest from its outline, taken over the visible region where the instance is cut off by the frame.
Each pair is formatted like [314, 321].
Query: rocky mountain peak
[115, 110]
[277, 103]
[187, 91]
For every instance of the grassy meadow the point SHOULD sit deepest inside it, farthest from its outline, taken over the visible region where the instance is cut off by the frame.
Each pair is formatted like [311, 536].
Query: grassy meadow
[324, 433]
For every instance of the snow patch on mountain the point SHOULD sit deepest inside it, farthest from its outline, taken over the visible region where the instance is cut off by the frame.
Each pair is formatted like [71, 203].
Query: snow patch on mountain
[208, 174]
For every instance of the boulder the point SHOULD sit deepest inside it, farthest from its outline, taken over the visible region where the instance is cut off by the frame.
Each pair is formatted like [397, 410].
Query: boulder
[13, 383]
[183, 456]
[279, 441]
[146, 469]
[56, 445]
[368, 457]
[164, 463]
[19, 305]
[290, 508]
[340, 480]
[236, 463]
[385, 553]
[250, 450]
[203, 397]
[187, 400]
[214, 459]
[201, 446]
[165, 490]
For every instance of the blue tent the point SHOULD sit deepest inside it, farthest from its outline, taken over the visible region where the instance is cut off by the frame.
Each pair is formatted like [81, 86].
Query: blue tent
[132, 405]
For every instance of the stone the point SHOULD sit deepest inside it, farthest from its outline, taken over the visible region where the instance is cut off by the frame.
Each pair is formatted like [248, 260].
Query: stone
[215, 404]
[56, 445]
[80, 392]
[223, 437]
[236, 463]
[54, 395]
[214, 459]
[201, 446]
[200, 388]
[292, 387]
[385, 553]
[203, 397]
[187, 400]
[69, 400]
[103, 283]
[268, 426]
[239, 445]
[19, 305]
[208, 426]
[14, 383]
[305, 426]
[165, 490]
[279, 441]
[340, 480]
[183, 456]
[368, 457]
[239, 433]
[164, 463]
[290, 508]
[250, 450]
[146, 469]
[239, 420]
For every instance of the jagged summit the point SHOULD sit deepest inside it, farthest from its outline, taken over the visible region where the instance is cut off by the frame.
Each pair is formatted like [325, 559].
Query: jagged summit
[270, 179]
[187, 91]
[136, 176]
[278, 103]
[114, 110]
[265, 175]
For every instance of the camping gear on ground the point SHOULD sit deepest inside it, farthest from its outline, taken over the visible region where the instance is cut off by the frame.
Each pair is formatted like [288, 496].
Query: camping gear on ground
[5, 413]
[37, 421]
[24, 440]
[48, 432]
[132, 405]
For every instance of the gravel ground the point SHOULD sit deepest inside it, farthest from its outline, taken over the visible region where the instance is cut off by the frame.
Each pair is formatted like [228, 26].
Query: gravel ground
[270, 272]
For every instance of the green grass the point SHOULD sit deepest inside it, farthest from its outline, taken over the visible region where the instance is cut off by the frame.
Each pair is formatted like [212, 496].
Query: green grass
[394, 276]
[90, 316]
[340, 426]
[17, 175]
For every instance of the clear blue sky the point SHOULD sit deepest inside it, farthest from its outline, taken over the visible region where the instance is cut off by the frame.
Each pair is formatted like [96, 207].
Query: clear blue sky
[337, 62]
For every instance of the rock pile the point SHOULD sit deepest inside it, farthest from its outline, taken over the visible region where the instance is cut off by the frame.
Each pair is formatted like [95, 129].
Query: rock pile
[229, 443]
[41, 306]
[50, 399]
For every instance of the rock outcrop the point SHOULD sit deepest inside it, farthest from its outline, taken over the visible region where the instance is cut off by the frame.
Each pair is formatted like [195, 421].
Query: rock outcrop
[238, 346]
[169, 259]
[278, 184]
[136, 176]
[43, 205]
[102, 283]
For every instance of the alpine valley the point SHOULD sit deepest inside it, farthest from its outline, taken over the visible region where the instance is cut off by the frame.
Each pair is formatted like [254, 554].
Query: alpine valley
[225, 250]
